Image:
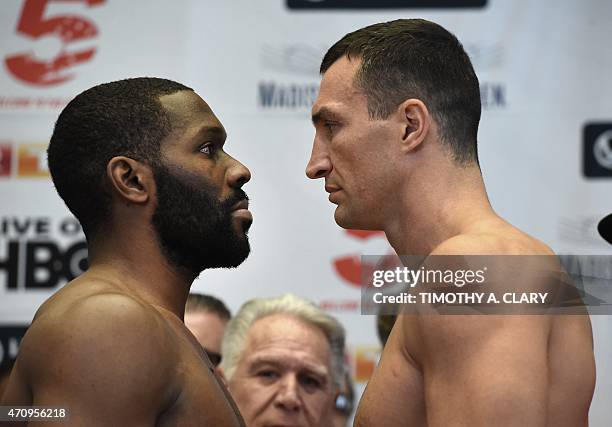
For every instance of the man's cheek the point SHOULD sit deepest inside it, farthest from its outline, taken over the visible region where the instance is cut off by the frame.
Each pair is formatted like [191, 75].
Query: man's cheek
[317, 406]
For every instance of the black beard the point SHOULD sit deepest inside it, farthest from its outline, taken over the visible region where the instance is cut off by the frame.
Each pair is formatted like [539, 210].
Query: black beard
[193, 227]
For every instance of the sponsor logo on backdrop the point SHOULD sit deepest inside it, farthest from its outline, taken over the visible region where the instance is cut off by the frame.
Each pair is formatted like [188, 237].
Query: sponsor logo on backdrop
[295, 84]
[486, 56]
[292, 81]
[28, 161]
[385, 4]
[366, 359]
[287, 96]
[51, 67]
[32, 257]
[10, 338]
[349, 267]
[597, 150]
[6, 159]
[32, 161]
[54, 46]
[297, 58]
[26, 103]
[493, 95]
[340, 305]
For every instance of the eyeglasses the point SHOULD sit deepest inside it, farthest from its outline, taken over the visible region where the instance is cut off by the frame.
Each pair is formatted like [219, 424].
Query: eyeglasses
[215, 358]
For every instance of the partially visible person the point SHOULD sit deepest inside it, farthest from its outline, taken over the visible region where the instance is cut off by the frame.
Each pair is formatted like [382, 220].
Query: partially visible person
[206, 317]
[396, 122]
[283, 360]
[344, 403]
[142, 164]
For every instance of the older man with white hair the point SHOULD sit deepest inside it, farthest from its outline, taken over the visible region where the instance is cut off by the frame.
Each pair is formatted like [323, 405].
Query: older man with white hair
[283, 360]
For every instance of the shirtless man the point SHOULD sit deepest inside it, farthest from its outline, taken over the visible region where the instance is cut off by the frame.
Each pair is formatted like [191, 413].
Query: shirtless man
[396, 121]
[141, 164]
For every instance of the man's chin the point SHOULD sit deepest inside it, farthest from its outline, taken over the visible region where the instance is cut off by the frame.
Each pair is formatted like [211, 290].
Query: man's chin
[237, 261]
[346, 220]
[230, 255]
[238, 254]
[352, 221]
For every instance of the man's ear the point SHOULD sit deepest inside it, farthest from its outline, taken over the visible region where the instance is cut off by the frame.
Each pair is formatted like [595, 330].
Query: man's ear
[132, 180]
[416, 122]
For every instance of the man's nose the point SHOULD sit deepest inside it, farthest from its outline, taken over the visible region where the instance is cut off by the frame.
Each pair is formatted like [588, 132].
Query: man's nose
[288, 396]
[319, 164]
[238, 174]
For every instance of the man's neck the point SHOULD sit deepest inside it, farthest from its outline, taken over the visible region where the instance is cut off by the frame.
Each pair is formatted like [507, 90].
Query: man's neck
[136, 265]
[444, 205]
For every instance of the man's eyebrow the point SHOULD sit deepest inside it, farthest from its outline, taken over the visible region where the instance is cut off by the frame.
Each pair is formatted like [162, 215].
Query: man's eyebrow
[277, 362]
[212, 130]
[322, 114]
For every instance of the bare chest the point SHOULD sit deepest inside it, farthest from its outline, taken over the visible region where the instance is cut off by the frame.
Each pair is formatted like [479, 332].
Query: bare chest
[395, 394]
[201, 397]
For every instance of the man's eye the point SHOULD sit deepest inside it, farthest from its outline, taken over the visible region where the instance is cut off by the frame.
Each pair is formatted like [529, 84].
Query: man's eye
[311, 382]
[207, 150]
[267, 374]
[331, 126]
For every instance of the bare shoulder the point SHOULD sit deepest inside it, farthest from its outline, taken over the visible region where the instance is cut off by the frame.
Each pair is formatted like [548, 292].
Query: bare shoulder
[514, 261]
[502, 239]
[104, 326]
[514, 363]
[97, 351]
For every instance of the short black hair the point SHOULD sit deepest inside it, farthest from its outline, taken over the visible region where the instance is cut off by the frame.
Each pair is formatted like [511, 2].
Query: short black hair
[208, 303]
[121, 118]
[415, 58]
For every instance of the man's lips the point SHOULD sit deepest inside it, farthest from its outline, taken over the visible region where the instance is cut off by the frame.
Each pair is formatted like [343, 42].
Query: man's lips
[243, 204]
[241, 210]
[331, 188]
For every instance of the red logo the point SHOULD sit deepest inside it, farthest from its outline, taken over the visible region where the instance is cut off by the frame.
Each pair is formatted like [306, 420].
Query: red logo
[6, 157]
[350, 267]
[32, 161]
[69, 28]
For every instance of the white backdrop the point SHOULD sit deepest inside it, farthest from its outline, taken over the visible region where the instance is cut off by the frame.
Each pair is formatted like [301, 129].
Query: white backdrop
[544, 68]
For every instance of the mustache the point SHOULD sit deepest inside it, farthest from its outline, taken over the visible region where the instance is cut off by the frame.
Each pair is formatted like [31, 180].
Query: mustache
[237, 196]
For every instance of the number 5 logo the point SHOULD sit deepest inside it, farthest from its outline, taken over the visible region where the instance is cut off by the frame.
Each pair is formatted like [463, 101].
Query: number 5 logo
[69, 28]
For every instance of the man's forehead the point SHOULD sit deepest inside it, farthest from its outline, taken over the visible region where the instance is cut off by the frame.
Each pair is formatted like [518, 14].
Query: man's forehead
[186, 108]
[204, 316]
[291, 360]
[337, 91]
[280, 331]
[288, 341]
